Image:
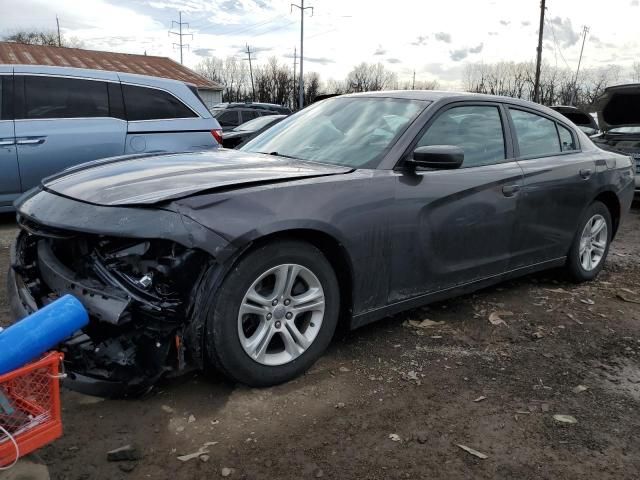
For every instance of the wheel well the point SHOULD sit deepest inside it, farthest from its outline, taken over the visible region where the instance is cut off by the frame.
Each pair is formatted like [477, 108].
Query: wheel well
[612, 203]
[335, 253]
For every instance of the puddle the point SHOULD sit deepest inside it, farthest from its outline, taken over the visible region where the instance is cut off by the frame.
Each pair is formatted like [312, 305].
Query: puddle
[622, 378]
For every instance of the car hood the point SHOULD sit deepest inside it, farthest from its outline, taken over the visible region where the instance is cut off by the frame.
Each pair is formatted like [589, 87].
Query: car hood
[149, 179]
[619, 106]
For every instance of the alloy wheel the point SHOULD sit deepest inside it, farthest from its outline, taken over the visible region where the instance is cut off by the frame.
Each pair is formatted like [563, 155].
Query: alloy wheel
[281, 314]
[593, 242]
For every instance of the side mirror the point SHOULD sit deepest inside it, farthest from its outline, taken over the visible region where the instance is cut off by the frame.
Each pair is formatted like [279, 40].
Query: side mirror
[443, 157]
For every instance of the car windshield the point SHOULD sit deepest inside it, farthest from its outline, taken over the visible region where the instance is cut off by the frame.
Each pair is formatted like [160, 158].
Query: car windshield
[257, 123]
[350, 131]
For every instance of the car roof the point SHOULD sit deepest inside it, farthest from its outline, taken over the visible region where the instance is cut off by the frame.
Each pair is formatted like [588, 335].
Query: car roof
[440, 95]
[434, 95]
[95, 74]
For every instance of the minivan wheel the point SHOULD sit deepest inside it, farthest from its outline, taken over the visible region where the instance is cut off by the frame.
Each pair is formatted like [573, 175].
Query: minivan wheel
[274, 314]
[591, 243]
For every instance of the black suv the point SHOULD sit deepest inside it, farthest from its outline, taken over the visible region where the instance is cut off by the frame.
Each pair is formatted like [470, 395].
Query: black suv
[230, 115]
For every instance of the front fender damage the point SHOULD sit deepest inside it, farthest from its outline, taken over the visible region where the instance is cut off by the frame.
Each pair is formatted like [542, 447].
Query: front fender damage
[145, 297]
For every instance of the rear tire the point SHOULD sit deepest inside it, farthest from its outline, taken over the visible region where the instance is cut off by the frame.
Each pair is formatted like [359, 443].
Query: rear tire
[274, 314]
[591, 243]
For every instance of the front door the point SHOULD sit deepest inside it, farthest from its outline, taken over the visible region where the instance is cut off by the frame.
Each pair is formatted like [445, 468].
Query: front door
[62, 122]
[455, 226]
[10, 177]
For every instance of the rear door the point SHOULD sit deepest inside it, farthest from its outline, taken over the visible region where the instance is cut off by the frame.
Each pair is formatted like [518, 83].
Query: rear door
[559, 181]
[63, 121]
[10, 176]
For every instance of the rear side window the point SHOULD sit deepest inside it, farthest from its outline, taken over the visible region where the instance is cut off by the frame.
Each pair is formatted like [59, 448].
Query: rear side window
[57, 97]
[477, 129]
[143, 103]
[228, 118]
[249, 115]
[567, 141]
[537, 135]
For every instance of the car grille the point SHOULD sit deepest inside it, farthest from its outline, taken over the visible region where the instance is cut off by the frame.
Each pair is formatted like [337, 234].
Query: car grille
[637, 159]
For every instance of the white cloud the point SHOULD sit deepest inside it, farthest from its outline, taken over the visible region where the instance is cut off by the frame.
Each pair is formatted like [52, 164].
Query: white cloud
[341, 34]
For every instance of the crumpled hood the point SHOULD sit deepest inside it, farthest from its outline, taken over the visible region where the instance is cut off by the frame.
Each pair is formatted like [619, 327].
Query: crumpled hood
[619, 106]
[149, 179]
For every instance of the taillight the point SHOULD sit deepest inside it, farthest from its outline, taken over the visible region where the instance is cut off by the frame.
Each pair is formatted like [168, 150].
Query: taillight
[217, 134]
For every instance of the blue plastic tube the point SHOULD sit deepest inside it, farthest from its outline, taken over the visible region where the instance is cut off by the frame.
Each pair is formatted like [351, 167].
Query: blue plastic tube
[41, 331]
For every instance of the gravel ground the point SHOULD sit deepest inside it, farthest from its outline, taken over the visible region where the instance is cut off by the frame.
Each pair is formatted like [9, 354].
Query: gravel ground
[393, 400]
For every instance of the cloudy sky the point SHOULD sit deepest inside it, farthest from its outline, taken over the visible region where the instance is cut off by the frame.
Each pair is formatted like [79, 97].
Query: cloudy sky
[435, 39]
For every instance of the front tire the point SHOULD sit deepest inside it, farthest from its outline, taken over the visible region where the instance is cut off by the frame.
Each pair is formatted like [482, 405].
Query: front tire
[591, 243]
[274, 314]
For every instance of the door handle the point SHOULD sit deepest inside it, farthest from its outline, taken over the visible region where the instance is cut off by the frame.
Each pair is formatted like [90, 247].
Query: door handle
[585, 173]
[30, 141]
[5, 142]
[510, 190]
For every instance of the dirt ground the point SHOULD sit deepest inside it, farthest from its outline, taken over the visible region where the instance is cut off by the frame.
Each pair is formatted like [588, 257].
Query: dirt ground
[395, 401]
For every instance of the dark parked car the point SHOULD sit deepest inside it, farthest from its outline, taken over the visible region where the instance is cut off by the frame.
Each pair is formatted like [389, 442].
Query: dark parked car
[619, 118]
[231, 115]
[583, 120]
[351, 210]
[246, 131]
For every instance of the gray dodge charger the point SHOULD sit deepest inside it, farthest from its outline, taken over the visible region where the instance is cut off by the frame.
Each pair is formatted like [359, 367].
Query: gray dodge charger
[353, 209]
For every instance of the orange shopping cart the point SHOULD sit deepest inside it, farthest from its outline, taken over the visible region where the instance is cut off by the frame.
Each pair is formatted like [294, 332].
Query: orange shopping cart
[29, 408]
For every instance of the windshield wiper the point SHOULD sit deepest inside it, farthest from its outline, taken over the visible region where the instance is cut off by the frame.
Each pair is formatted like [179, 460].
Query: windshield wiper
[276, 154]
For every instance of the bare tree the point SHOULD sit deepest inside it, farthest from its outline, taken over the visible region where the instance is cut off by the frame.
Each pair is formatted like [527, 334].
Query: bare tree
[370, 77]
[556, 84]
[335, 87]
[42, 37]
[311, 87]
[635, 71]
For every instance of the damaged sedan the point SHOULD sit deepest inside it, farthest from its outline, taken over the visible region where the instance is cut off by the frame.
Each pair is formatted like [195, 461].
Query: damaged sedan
[354, 209]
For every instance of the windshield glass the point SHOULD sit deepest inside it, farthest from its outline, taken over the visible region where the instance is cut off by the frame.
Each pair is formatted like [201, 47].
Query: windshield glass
[351, 131]
[257, 123]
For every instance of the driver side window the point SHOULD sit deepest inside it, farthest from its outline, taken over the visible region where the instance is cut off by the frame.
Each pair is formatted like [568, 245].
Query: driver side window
[476, 129]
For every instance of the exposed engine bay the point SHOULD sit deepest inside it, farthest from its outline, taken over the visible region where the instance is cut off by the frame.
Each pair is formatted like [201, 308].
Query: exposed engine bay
[139, 295]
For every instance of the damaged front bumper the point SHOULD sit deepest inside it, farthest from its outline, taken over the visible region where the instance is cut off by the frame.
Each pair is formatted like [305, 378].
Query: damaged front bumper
[139, 294]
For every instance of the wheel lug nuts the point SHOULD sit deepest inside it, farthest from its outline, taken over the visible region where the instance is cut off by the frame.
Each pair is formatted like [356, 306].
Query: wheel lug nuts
[274, 303]
[278, 324]
[289, 315]
[287, 302]
[269, 316]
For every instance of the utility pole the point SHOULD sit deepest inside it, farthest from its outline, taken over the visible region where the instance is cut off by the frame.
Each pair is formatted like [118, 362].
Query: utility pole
[585, 30]
[413, 85]
[295, 62]
[536, 85]
[253, 88]
[59, 37]
[301, 83]
[180, 23]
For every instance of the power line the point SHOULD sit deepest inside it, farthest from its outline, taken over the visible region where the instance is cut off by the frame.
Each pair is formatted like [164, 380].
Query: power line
[242, 29]
[557, 48]
[302, 9]
[180, 23]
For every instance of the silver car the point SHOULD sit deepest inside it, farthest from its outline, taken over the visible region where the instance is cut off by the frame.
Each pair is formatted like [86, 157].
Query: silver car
[52, 118]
